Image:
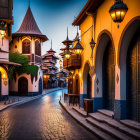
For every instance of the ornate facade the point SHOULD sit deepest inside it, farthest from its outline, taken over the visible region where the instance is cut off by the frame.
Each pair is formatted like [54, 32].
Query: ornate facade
[111, 78]
[27, 41]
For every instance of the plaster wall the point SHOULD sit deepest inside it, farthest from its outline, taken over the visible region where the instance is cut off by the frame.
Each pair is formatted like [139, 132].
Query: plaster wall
[32, 87]
[104, 24]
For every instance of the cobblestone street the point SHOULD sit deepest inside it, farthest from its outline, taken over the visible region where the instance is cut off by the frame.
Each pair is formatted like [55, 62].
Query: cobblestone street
[41, 119]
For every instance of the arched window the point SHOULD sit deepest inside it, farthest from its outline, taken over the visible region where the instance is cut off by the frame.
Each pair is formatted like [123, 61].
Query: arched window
[26, 46]
[37, 48]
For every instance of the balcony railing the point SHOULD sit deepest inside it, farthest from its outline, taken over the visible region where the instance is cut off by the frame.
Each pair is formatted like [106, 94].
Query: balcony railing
[73, 63]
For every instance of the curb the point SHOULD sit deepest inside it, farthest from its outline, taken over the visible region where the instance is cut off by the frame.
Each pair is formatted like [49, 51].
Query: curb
[27, 100]
[82, 124]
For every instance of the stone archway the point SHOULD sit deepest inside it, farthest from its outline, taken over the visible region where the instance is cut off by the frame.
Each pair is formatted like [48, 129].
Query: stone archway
[129, 38]
[87, 82]
[23, 86]
[105, 71]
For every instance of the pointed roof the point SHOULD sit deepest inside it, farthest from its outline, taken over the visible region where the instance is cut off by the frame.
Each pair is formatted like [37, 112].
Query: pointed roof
[51, 50]
[30, 27]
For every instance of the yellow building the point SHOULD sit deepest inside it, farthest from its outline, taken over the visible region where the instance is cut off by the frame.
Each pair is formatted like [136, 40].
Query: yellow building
[112, 76]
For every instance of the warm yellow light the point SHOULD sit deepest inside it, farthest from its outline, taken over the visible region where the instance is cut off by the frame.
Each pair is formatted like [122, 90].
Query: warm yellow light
[45, 76]
[3, 33]
[0, 69]
[67, 56]
[73, 77]
[78, 51]
[60, 62]
[80, 74]
[4, 76]
[118, 15]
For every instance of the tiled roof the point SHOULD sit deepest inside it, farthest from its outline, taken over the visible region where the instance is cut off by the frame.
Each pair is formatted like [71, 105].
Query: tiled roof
[30, 27]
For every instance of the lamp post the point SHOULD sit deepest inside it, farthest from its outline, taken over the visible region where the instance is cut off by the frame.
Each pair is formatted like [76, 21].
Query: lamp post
[118, 11]
[2, 30]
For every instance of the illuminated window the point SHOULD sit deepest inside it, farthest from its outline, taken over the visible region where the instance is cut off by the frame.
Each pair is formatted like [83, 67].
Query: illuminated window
[26, 46]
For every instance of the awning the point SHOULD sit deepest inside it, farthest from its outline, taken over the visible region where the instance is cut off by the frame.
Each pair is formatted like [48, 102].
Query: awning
[9, 63]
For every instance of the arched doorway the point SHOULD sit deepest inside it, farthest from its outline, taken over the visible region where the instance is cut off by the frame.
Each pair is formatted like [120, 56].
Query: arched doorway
[104, 83]
[126, 55]
[108, 76]
[133, 78]
[70, 85]
[23, 86]
[40, 86]
[87, 82]
[89, 86]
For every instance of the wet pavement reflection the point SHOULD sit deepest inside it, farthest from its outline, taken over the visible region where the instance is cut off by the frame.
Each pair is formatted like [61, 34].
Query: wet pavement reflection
[41, 119]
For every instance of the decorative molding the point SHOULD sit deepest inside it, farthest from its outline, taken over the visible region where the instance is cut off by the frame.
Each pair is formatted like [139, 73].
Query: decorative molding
[92, 71]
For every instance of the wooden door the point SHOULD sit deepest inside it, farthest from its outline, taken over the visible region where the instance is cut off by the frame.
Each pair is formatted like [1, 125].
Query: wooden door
[40, 86]
[109, 77]
[70, 85]
[23, 86]
[133, 79]
[89, 86]
[77, 85]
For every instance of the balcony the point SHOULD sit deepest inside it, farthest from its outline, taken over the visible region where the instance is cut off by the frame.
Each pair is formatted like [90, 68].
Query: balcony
[73, 63]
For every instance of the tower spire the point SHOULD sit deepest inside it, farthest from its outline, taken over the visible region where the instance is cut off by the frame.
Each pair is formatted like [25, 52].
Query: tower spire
[67, 34]
[51, 44]
[29, 3]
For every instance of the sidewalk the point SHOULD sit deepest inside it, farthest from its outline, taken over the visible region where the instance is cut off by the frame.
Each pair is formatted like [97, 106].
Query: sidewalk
[17, 100]
[101, 123]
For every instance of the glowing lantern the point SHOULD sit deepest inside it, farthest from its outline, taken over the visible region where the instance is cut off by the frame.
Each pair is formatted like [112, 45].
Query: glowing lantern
[60, 62]
[67, 54]
[118, 11]
[78, 48]
[44, 76]
[2, 30]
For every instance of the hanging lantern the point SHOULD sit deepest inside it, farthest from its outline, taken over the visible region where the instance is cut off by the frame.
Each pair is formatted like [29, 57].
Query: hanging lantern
[67, 54]
[2, 30]
[60, 62]
[92, 44]
[118, 11]
[78, 48]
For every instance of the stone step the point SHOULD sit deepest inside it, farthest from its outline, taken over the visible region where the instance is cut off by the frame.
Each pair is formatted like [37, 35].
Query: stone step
[109, 130]
[81, 111]
[80, 119]
[107, 113]
[131, 124]
[115, 124]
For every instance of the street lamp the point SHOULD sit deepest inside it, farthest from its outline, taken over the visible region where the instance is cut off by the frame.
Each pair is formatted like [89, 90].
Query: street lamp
[118, 11]
[78, 48]
[2, 30]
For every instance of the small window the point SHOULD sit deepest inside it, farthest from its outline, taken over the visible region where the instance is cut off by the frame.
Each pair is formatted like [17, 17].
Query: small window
[37, 48]
[26, 46]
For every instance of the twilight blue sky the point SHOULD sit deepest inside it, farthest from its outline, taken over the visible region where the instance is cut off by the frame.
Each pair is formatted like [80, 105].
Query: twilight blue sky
[52, 17]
